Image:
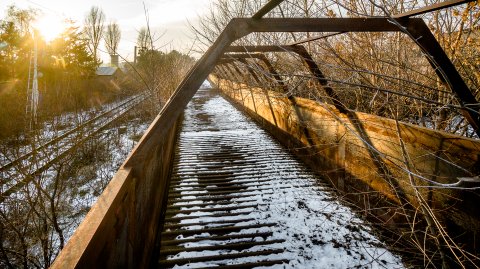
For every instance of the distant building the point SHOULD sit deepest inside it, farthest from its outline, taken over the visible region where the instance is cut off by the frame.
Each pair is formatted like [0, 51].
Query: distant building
[107, 71]
[110, 76]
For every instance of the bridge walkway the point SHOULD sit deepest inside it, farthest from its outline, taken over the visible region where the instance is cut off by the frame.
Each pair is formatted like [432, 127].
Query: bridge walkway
[238, 199]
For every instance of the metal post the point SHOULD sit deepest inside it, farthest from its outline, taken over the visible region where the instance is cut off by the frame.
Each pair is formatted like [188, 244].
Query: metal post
[266, 8]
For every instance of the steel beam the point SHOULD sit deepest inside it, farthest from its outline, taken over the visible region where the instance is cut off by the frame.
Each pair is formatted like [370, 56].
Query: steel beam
[315, 38]
[423, 37]
[414, 27]
[431, 8]
[321, 24]
[249, 49]
[266, 8]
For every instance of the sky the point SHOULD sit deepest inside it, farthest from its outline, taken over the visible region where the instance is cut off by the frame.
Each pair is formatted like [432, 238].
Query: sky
[168, 18]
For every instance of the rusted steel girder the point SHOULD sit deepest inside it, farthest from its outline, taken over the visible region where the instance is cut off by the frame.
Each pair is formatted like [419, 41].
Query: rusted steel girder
[306, 40]
[416, 29]
[431, 8]
[321, 24]
[266, 8]
[239, 27]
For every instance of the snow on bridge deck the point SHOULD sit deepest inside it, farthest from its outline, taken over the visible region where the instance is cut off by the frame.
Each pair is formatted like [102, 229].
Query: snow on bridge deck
[238, 199]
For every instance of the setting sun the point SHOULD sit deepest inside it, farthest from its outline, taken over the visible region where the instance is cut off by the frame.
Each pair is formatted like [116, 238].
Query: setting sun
[50, 27]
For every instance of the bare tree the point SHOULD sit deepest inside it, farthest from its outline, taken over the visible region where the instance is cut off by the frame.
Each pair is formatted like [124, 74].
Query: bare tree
[143, 38]
[112, 37]
[94, 26]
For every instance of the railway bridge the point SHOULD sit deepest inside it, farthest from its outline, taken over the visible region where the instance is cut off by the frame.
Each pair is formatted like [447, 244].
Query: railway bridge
[210, 186]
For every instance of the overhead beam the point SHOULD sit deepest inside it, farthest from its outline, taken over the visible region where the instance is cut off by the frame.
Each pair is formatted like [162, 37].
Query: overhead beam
[431, 8]
[417, 30]
[249, 49]
[321, 24]
[266, 8]
[306, 40]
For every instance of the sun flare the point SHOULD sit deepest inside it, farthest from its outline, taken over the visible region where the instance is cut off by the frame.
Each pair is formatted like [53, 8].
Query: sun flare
[50, 27]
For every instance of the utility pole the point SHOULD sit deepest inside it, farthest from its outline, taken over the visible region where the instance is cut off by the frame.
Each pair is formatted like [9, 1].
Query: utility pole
[136, 51]
[35, 93]
[32, 93]
[135, 55]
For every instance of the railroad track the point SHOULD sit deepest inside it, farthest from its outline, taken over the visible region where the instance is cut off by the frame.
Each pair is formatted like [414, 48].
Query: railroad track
[18, 172]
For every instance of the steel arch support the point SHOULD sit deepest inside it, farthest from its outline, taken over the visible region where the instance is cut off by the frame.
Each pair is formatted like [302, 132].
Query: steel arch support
[416, 29]
[446, 71]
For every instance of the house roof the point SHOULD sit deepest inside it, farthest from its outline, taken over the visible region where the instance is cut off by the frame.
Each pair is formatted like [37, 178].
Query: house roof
[106, 70]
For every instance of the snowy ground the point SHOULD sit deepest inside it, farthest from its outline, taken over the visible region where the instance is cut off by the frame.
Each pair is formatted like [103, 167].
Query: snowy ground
[96, 177]
[319, 231]
[82, 178]
[56, 127]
